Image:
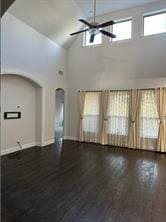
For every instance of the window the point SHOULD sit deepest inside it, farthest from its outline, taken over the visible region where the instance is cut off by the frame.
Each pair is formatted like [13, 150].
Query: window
[154, 23]
[97, 39]
[122, 30]
[149, 120]
[118, 113]
[91, 112]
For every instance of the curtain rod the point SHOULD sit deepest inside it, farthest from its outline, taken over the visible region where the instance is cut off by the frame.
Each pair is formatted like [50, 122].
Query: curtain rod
[117, 90]
[101, 90]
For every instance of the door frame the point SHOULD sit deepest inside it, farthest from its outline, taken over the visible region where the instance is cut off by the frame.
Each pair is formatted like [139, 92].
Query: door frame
[64, 106]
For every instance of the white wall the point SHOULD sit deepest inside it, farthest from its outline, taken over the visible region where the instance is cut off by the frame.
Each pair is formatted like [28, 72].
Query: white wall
[136, 63]
[18, 95]
[25, 51]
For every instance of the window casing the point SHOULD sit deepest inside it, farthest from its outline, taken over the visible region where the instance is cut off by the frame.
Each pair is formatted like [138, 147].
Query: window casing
[122, 29]
[154, 23]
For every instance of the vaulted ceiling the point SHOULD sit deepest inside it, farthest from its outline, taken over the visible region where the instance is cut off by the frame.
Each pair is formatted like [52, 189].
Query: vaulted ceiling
[56, 19]
[106, 6]
[5, 4]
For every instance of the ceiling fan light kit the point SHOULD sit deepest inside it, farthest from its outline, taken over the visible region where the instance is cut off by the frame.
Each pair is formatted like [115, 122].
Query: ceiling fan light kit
[95, 28]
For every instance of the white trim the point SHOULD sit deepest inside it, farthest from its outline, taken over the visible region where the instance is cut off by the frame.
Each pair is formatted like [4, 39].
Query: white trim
[148, 14]
[17, 148]
[47, 142]
[121, 21]
[26, 146]
[155, 35]
[70, 138]
[42, 130]
[160, 11]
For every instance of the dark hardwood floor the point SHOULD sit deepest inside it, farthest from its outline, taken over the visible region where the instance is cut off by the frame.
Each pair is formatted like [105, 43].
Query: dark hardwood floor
[84, 183]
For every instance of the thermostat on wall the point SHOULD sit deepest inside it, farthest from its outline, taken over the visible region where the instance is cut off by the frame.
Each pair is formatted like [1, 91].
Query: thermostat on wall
[12, 115]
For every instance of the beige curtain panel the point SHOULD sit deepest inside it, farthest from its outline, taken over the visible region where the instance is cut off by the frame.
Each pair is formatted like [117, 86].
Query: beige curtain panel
[161, 108]
[81, 114]
[133, 118]
[104, 101]
[127, 118]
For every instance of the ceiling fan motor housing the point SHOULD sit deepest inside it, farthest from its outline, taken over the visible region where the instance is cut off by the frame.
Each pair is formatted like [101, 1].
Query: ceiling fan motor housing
[94, 31]
[94, 24]
[94, 28]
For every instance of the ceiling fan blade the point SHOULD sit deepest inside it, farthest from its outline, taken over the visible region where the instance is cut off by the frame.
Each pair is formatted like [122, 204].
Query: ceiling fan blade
[92, 37]
[109, 34]
[106, 24]
[74, 33]
[85, 22]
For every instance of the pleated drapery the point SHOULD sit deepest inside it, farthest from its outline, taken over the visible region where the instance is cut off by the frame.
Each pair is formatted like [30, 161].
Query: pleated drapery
[81, 114]
[126, 118]
[161, 108]
[104, 101]
[133, 114]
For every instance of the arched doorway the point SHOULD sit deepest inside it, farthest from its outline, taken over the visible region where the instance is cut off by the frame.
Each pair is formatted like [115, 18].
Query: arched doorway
[59, 113]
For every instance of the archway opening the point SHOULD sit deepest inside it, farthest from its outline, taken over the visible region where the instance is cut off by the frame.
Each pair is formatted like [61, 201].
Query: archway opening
[59, 113]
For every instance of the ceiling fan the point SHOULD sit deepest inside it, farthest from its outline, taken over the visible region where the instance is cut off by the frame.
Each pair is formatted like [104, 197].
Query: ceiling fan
[95, 28]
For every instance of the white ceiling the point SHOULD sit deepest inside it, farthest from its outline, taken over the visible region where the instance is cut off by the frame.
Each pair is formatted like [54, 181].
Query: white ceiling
[56, 19]
[106, 6]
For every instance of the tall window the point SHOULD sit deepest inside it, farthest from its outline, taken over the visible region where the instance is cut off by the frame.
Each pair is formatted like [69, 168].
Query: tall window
[112, 117]
[154, 23]
[118, 113]
[149, 120]
[86, 39]
[122, 29]
[91, 112]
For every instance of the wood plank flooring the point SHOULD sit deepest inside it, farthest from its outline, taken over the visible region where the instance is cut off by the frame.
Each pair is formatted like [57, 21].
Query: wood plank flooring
[81, 182]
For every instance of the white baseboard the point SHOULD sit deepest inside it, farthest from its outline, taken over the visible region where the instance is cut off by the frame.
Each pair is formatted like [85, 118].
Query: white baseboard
[47, 142]
[17, 148]
[26, 146]
[70, 138]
